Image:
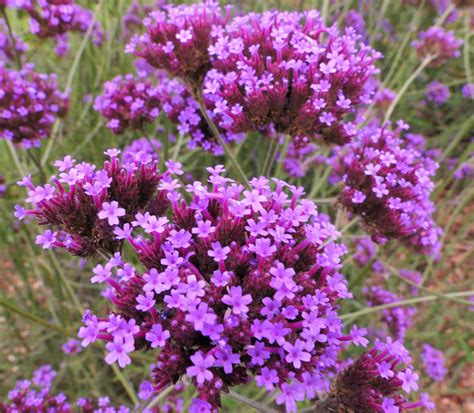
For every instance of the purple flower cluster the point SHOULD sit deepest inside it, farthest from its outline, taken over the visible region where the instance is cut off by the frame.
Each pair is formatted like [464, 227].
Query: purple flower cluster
[56, 18]
[437, 93]
[36, 396]
[128, 103]
[433, 361]
[83, 205]
[238, 284]
[142, 150]
[468, 90]
[397, 319]
[30, 102]
[7, 50]
[414, 278]
[132, 19]
[182, 109]
[387, 182]
[299, 161]
[365, 250]
[177, 39]
[375, 382]
[288, 73]
[437, 43]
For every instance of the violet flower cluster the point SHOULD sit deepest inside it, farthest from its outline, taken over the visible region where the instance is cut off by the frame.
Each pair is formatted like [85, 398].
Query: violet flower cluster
[128, 103]
[437, 93]
[299, 161]
[177, 39]
[365, 250]
[387, 182]
[142, 150]
[56, 18]
[288, 73]
[30, 102]
[433, 360]
[182, 109]
[8, 51]
[377, 382]
[238, 284]
[397, 319]
[36, 396]
[437, 43]
[82, 206]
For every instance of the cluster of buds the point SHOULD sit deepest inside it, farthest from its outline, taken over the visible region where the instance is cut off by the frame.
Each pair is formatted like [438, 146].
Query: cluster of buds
[375, 382]
[56, 18]
[177, 39]
[288, 73]
[438, 45]
[238, 284]
[128, 103]
[30, 102]
[37, 396]
[387, 182]
[83, 205]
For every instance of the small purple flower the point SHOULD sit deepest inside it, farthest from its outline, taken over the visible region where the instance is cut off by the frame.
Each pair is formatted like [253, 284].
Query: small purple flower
[200, 367]
[237, 301]
[118, 351]
[111, 211]
[156, 336]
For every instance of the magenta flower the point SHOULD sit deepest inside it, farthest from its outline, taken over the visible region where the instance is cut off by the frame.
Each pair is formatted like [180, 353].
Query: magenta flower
[128, 103]
[200, 367]
[118, 351]
[30, 102]
[86, 205]
[233, 298]
[111, 212]
[439, 44]
[272, 73]
[177, 39]
[55, 19]
[388, 182]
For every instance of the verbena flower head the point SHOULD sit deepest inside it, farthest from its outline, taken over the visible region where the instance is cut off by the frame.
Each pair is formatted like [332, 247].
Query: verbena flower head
[299, 161]
[437, 93]
[142, 150]
[468, 90]
[433, 361]
[30, 102]
[365, 250]
[36, 396]
[288, 73]
[128, 103]
[56, 18]
[397, 319]
[238, 284]
[83, 206]
[177, 39]
[132, 20]
[439, 44]
[181, 108]
[377, 382]
[387, 182]
[7, 52]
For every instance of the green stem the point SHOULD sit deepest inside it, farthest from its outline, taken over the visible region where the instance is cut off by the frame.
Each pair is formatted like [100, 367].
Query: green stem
[260, 407]
[410, 301]
[270, 158]
[426, 61]
[11, 37]
[219, 138]
[9, 306]
[126, 385]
